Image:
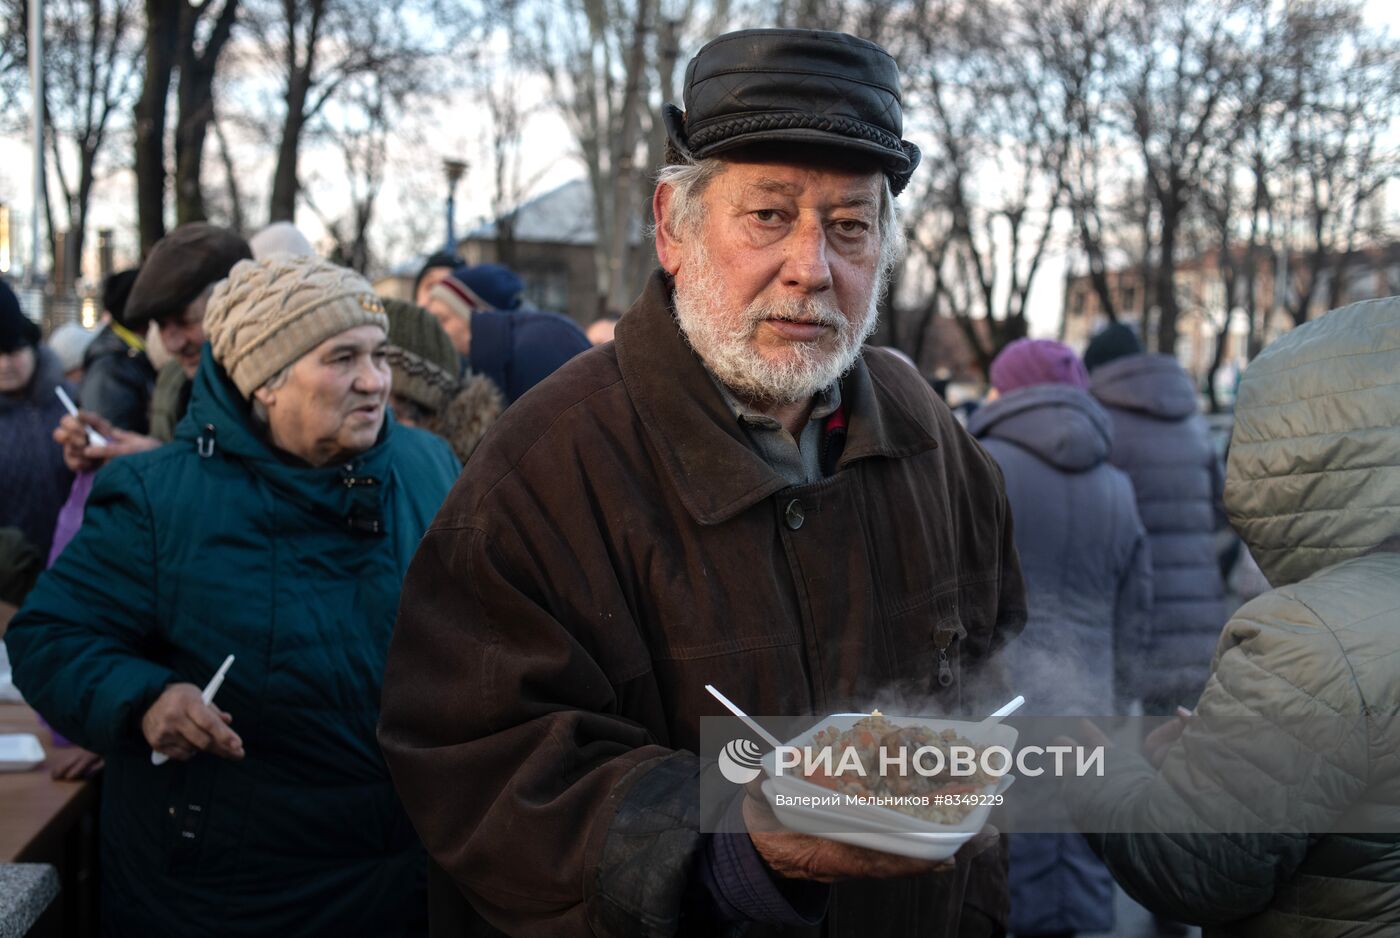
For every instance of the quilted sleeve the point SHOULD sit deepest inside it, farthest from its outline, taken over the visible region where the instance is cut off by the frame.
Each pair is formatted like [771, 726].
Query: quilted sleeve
[1276, 751]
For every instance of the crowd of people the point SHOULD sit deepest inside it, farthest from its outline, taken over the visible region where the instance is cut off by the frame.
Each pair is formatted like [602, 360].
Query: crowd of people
[474, 567]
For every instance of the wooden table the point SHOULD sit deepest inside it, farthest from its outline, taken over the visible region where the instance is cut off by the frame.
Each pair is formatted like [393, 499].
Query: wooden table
[35, 809]
[47, 821]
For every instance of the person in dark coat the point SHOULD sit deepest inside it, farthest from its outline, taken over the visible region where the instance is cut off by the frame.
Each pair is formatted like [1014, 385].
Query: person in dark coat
[118, 378]
[1161, 440]
[1085, 558]
[439, 264]
[428, 392]
[516, 348]
[34, 482]
[276, 527]
[171, 289]
[734, 490]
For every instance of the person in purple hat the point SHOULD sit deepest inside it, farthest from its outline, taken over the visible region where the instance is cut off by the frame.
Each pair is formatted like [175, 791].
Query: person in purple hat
[1088, 575]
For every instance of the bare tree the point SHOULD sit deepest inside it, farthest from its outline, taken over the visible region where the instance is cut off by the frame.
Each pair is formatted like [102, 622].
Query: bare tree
[90, 60]
[1184, 62]
[323, 45]
[358, 126]
[1341, 100]
[995, 170]
[498, 74]
[184, 39]
[596, 57]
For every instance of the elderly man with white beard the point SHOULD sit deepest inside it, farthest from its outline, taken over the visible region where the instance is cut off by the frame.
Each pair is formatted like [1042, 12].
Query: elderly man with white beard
[733, 491]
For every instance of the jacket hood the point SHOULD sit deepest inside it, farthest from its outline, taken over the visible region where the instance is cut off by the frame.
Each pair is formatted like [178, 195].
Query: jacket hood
[104, 343]
[219, 422]
[1314, 470]
[1060, 424]
[468, 415]
[107, 342]
[1155, 385]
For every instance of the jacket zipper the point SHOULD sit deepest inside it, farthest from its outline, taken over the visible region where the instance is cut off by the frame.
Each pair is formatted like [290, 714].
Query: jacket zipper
[941, 640]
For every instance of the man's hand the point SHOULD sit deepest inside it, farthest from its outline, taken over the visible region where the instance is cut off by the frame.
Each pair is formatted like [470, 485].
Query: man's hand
[73, 763]
[180, 724]
[802, 856]
[81, 456]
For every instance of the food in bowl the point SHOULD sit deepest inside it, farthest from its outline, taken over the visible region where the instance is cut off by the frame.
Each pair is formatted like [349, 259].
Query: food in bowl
[925, 773]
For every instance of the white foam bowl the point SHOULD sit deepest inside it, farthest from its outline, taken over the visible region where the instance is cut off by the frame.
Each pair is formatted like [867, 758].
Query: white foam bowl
[920, 846]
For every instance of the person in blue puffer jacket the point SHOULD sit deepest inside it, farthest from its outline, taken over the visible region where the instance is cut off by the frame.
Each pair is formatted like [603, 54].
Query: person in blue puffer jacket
[1161, 441]
[1088, 573]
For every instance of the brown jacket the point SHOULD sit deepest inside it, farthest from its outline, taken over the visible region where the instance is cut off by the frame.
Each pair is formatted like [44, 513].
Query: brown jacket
[613, 545]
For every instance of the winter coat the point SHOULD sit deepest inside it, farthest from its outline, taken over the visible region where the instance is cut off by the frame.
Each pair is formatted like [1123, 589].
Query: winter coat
[118, 381]
[1293, 744]
[614, 545]
[519, 349]
[1089, 594]
[20, 566]
[213, 545]
[1161, 441]
[34, 481]
[169, 401]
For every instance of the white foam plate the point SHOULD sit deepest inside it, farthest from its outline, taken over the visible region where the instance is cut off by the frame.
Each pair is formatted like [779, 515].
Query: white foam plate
[841, 818]
[20, 752]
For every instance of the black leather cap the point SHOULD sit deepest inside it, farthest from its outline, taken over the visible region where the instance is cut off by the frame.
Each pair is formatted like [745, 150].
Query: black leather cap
[181, 265]
[793, 86]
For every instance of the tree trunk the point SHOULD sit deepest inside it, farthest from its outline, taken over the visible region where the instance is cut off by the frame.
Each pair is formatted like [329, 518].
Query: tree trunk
[1218, 359]
[162, 39]
[77, 232]
[624, 165]
[195, 111]
[283, 204]
[235, 196]
[1166, 280]
[196, 98]
[1098, 269]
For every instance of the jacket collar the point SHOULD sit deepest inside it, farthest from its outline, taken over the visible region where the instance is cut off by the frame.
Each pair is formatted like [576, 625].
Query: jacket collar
[351, 493]
[493, 335]
[716, 474]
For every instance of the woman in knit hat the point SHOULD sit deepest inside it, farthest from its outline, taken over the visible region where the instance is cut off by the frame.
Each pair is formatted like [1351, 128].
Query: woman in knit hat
[427, 392]
[1088, 591]
[277, 527]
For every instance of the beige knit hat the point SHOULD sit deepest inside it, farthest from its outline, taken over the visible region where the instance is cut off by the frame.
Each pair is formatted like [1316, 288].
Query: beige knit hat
[269, 313]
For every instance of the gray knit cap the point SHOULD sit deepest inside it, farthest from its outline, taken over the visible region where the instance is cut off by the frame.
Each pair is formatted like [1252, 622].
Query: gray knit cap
[269, 313]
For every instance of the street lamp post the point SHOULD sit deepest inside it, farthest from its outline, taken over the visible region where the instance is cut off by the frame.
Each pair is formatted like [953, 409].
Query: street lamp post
[454, 169]
[36, 83]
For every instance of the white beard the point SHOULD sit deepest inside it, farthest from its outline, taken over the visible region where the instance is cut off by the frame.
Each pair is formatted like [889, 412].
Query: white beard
[724, 339]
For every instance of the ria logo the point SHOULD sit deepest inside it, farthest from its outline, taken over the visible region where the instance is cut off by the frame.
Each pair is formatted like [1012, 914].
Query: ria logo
[740, 761]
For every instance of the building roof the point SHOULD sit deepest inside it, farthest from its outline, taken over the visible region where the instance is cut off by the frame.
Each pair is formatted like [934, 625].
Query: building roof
[563, 215]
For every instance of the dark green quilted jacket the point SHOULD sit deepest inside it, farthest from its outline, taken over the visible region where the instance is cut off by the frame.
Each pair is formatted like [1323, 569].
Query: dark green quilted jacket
[216, 545]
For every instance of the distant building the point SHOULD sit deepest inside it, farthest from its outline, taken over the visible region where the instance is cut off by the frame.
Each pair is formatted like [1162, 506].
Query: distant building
[552, 249]
[1200, 292]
